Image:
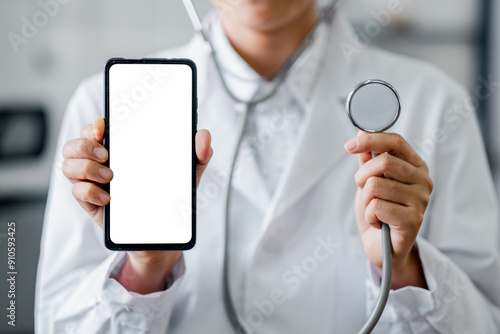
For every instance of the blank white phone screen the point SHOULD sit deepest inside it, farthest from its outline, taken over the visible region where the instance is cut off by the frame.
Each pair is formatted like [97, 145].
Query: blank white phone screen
[150, 147]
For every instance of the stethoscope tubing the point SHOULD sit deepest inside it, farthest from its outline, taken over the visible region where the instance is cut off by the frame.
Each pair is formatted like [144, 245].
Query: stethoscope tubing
[325, 14]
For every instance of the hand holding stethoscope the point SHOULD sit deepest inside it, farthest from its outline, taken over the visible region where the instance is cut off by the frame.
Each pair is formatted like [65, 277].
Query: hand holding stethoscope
[393, 188]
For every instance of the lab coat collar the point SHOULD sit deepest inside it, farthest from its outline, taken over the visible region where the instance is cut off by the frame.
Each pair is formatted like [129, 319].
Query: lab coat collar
[244, 83]
[240, 77]
[320, 146]
[302, 79]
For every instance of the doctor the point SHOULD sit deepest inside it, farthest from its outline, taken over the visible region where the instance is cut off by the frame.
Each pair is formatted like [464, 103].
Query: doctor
[305, 249]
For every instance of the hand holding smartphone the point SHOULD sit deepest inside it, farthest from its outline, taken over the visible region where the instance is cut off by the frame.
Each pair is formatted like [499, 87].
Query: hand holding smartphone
[150, 137]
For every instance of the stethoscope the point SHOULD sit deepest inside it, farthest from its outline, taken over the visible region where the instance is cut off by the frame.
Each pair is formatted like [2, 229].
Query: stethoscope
[372, 106]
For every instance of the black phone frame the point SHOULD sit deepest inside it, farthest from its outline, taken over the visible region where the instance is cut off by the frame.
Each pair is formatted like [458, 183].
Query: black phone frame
[107, 187]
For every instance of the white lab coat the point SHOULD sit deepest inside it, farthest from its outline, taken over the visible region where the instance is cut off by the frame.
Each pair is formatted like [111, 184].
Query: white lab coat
[307, 272]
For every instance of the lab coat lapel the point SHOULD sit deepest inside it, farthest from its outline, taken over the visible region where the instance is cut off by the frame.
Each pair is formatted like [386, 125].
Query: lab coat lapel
[224, 118]
[248, 179]
[320, 148]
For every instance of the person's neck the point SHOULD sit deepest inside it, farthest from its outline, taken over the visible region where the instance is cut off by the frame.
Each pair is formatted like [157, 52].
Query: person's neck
[267, 51]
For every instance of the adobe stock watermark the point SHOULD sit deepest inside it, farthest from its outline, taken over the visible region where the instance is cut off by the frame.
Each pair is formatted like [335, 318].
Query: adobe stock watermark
[31, 26]
[122, 106]
[454, 117]
[451, 291]
[11, 273]
[381, 19]
[291, 280]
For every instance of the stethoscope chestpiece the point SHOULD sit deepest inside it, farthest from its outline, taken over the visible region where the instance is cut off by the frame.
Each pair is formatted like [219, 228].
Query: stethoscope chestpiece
[373, 106]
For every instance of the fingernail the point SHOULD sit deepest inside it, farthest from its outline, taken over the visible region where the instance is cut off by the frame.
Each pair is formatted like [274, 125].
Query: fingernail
[105, 173]
[104, 197]
[100, 152]
[352, 144]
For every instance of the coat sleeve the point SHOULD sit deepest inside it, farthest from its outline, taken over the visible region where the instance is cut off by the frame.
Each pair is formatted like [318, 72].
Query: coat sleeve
[75, 289]
[458, 243]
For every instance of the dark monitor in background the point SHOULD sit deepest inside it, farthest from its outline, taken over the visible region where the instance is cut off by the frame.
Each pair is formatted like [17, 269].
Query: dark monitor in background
[23, 132]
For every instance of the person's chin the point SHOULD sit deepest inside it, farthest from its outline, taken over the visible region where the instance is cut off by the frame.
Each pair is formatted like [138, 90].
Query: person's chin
[262, 17]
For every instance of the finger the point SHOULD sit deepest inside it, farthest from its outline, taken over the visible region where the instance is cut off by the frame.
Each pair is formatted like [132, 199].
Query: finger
[94, 131]
[398, 217]
[395, 192]
[99, 126]
[204, 151]
[84, 169]
[364, 158]
[391, 143]
[390, 167]
[90, 193]
[83, 148]
[94, 211]
[88, 132]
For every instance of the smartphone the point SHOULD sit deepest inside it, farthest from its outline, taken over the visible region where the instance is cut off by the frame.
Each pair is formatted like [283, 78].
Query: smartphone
[151, 119]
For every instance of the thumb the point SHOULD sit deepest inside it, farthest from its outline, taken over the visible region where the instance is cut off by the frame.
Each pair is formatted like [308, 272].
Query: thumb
[98, 129]
[204, 152]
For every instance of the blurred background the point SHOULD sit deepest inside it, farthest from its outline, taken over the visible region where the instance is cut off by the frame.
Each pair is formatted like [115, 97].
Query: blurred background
[46, 50]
